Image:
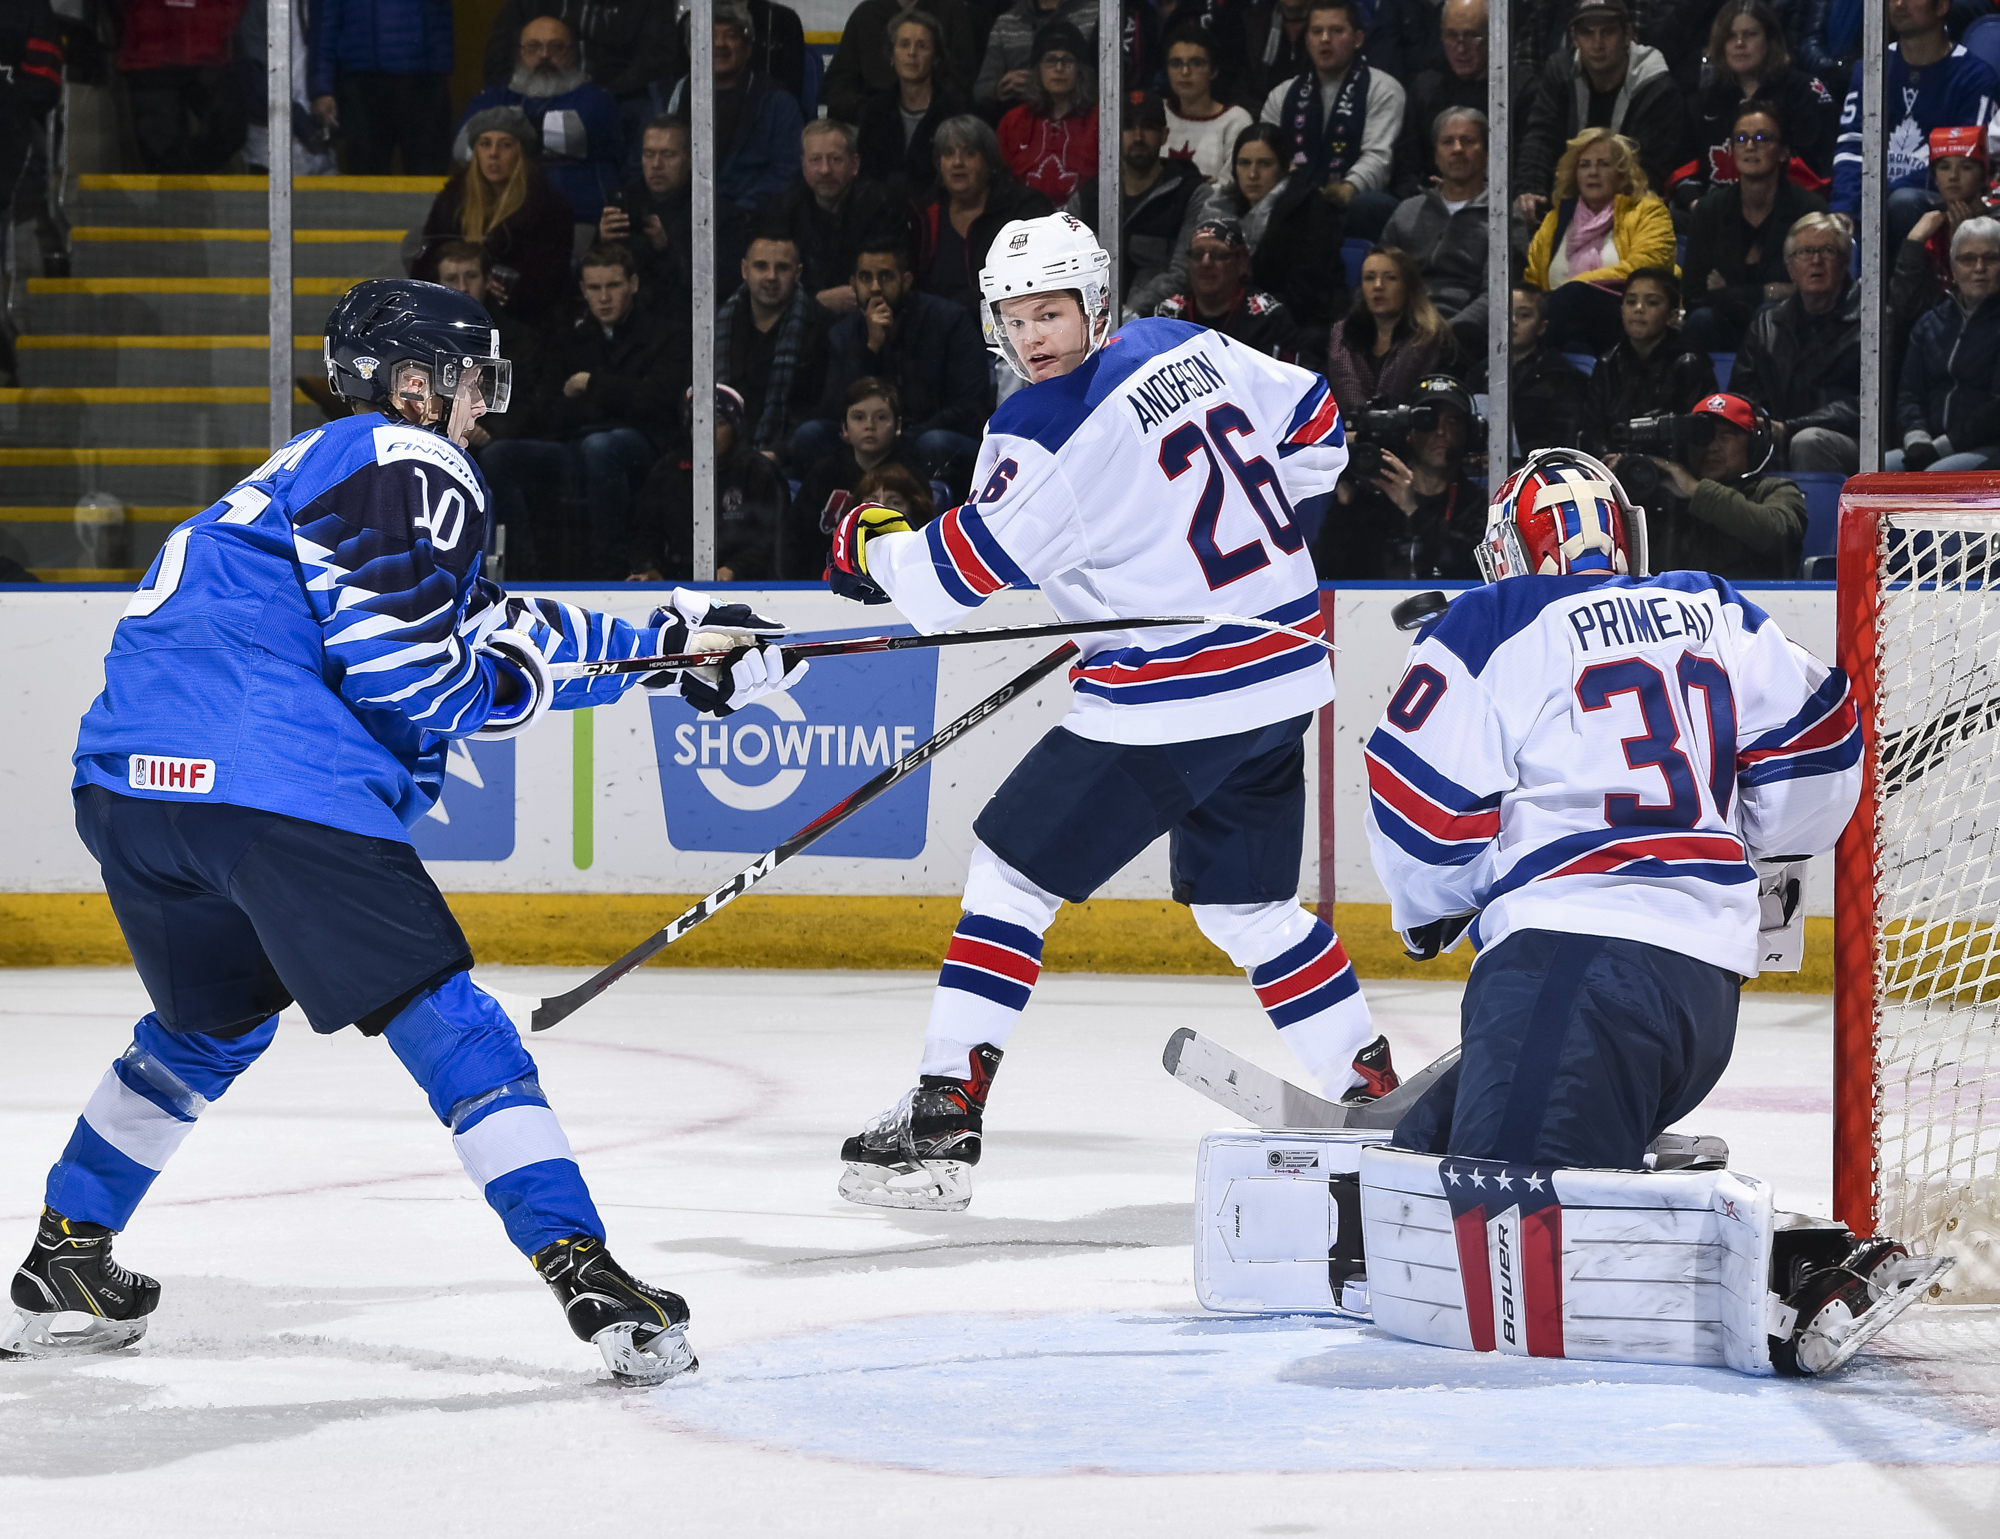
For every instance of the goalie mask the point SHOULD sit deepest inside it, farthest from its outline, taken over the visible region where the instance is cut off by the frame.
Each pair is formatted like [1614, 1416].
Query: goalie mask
[1562, 512]
[1056, 254]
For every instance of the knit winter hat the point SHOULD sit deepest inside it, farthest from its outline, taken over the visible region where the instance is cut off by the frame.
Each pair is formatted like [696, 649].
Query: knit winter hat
[505, 120]
[1059, 37]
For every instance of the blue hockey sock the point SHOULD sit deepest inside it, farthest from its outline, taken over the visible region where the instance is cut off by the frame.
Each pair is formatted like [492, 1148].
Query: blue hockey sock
[144, 1106]
[459, 1045]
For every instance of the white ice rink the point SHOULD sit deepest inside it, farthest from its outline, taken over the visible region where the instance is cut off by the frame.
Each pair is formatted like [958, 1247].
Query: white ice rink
[346, 1344]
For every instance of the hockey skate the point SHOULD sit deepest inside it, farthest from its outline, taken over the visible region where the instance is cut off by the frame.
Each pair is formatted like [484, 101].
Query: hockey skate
[1378, 1075]
[70, 1272]
[1838, 1309]
[920, 1152]
[640, 1329]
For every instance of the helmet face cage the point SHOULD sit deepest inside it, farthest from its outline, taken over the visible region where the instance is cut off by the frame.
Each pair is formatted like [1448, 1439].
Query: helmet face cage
[382, 327]
[1533, 539]
[1093, 297]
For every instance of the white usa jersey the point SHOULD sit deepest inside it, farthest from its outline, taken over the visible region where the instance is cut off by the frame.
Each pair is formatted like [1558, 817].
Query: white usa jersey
[1606, 756]
[1160, 477]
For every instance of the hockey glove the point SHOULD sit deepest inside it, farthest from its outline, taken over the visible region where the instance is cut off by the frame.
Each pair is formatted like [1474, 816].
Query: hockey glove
[757, 670]
[847, 560]
[1425, 942]
[522, 688]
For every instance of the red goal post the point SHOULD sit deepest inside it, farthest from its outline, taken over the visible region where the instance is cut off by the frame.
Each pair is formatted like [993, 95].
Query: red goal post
[1916, 1110]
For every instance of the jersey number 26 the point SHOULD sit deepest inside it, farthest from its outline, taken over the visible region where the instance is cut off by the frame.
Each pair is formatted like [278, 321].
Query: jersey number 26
[1177, 453]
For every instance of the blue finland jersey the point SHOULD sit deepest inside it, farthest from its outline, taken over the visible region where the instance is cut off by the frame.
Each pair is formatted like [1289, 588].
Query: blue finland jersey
[310, 643]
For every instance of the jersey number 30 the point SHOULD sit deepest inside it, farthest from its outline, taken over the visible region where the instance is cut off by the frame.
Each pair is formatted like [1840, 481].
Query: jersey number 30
[1659, 746]
[1177, 453]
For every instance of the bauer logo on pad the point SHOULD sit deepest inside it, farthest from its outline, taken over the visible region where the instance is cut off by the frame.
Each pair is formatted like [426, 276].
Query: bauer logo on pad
[743, 783]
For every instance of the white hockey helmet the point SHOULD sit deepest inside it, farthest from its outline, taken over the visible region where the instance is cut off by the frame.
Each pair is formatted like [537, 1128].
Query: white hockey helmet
[1051, 255]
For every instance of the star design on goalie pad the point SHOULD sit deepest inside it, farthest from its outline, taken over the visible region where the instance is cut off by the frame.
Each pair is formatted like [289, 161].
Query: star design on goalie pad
[1504, 1181]
[1536, 1183]
[1478, 1179]
[1451, 1175]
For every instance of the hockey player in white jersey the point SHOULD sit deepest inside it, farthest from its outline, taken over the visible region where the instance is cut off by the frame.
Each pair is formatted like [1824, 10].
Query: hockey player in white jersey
[278, 701]
[1579, 768]
[1154, 471]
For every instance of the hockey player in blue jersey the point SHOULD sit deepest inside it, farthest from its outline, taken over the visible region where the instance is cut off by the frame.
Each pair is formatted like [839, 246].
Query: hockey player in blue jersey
[278, 701]
[1152, 471]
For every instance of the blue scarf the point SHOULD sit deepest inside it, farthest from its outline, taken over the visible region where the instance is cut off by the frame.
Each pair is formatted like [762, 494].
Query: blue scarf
[1325, 150]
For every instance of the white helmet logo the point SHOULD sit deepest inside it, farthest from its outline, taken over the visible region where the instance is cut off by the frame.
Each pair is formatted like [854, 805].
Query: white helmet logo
[1018, 241]
[366, 367]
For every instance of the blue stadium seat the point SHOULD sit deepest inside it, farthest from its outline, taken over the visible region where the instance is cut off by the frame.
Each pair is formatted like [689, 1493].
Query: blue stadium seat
[1584, 363]
[1354, 253]
[1982, 41]
[1822, 489]
[1725, 365]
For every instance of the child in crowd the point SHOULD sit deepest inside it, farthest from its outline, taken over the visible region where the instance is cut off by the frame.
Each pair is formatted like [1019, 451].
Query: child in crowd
[1962, 172]
[897, 486]
[750, 507]
[871, 436]
[1649, 372]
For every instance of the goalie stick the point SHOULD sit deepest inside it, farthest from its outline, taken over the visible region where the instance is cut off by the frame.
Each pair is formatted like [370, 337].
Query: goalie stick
[559, 1006]
[842, 646]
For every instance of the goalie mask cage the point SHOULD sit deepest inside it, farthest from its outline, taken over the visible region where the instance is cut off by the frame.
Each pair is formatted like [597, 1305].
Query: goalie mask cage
[1916, 1113]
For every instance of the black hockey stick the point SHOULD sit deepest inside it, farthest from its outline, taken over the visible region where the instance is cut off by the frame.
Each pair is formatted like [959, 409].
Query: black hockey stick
[1903, 757]
[843, 646]
[556, 1007]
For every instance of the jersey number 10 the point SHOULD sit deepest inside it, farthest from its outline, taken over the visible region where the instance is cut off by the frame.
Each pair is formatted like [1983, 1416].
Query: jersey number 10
[1177, 452]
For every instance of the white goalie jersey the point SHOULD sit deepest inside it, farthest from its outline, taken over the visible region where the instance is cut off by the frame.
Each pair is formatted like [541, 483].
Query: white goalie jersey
[1160, 477]
[1607, 756]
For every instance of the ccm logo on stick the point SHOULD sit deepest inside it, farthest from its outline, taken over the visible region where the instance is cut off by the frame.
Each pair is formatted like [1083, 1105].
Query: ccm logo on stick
[150, 773]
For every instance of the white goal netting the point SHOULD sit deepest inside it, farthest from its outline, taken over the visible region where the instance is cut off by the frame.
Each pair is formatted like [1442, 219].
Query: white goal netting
[1937, 893]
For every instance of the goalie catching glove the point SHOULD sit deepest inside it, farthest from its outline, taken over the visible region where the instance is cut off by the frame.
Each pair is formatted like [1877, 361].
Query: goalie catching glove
[847, 559]
[692, 622]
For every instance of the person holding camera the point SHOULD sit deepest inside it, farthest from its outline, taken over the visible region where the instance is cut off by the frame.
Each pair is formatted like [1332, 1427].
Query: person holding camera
[1413, 514]
[653, 217]
[1948, 405]
[1710, 507]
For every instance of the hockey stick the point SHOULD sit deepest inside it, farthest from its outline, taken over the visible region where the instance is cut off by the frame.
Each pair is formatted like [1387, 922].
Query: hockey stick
[843, 646]
[1903, 757]
[1270, 1101]
[558, 1006]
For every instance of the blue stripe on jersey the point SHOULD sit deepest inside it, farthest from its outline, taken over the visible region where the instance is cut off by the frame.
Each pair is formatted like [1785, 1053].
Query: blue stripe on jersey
[971, 980]
[1342, 985]
[1000, 933]
[1202, 686]
[1560, 852]
[1823, 700]
[1418, 844]
[1481, 621]
[1447, 793]
[1827, 761]
[955, 587]
[1003, 565]
[1288, 613]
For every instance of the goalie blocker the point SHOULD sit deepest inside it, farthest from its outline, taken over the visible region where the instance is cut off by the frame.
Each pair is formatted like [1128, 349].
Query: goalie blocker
[1691, 1268]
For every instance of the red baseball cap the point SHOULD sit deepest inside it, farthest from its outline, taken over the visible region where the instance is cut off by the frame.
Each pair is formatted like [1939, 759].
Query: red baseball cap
[1732, 409]
[1967, 142]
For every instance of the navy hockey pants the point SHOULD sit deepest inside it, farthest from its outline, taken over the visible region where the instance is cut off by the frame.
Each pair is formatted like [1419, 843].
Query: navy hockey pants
[1577, 1051]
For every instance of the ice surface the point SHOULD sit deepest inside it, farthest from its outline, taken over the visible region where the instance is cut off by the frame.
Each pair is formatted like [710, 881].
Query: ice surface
[344, 1332]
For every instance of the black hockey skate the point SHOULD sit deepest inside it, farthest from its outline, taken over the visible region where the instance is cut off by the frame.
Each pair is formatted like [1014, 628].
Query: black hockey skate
[920, 1152]
[1836, 1310]
[70, 1271]
[640, 1329]
[1378, 1075]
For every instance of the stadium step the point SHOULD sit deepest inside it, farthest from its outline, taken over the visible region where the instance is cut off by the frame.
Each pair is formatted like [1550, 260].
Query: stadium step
[143, 374]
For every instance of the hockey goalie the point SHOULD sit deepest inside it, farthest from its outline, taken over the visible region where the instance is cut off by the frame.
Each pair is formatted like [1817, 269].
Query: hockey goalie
[1579, 770]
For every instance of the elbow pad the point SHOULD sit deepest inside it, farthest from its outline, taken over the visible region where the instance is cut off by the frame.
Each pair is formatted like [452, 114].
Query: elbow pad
[515, 653]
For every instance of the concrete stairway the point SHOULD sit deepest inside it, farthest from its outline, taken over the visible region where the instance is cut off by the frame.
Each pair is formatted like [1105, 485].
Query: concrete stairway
[143, 392]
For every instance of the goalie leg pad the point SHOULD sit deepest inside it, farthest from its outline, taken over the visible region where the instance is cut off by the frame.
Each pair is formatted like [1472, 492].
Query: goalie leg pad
[1277, 1222]
[1607, 1266]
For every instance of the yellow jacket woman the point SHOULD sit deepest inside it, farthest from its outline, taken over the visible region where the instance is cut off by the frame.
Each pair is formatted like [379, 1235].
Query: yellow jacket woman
[1642, 235]
[1605, 226]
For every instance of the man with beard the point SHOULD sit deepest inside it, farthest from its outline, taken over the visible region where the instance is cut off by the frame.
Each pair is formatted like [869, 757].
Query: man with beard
[1217, 297]
[771, 343]
[582, 146]
[1158, 209]
[830, 211]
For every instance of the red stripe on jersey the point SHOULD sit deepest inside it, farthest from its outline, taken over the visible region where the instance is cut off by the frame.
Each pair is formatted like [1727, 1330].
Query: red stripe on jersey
[1710, 847]
[988, 957]
[979, 577]
[1824, 733]
[1319, 424]
[1322, 967]
[1439, 822]
[1216, 659]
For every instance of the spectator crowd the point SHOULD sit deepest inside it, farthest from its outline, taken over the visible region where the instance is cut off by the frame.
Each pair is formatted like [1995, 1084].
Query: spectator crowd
[1308, 177]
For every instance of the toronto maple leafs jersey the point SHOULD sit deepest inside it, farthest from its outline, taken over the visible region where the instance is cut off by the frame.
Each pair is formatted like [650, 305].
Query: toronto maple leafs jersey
[1607, 756]
[1159, 478]
[309, 645]
[1958, 90]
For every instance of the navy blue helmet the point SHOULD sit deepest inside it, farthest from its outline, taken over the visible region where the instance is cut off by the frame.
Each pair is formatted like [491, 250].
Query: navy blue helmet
[387, 321]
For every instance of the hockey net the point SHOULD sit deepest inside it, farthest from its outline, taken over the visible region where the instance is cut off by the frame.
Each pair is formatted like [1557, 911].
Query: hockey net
[1917, 898]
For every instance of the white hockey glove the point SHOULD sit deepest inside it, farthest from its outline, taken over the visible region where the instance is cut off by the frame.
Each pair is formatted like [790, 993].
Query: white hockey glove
[521, 669]
[693, 622]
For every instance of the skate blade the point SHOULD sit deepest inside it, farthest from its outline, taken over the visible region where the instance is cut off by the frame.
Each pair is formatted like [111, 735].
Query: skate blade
[936, 1186]
[1913, 1277]
[28, 1335]
[653, 1360]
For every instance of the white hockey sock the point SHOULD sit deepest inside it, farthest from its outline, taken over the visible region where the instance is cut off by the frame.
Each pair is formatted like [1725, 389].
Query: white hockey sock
[990, 967]
[1303, 980]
